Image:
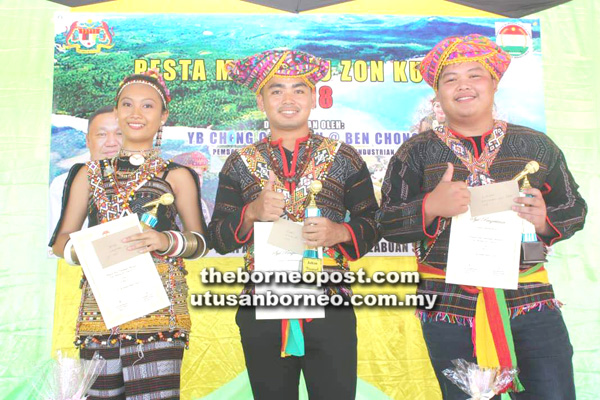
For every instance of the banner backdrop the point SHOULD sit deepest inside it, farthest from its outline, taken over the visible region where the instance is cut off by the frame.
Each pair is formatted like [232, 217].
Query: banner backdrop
[374, 98]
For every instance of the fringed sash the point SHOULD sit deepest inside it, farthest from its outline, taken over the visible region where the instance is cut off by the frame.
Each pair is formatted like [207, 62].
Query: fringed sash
[492, 336]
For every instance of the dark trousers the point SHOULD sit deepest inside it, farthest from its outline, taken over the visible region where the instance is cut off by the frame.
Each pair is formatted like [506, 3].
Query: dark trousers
[544, 355]
[329, 364]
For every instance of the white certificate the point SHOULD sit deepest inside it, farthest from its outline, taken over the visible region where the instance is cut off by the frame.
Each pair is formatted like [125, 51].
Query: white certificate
[125, 283]
[485, 250]
[268, 257]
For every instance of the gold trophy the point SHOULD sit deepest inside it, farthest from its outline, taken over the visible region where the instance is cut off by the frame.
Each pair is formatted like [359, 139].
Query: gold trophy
[149, 219]
[531, 168]
[532, 250]
[312, 259]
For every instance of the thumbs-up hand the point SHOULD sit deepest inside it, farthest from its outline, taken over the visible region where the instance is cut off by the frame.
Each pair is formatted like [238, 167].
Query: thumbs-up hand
[271, 183]
[447, 177]
[448, 198]
[269, 205]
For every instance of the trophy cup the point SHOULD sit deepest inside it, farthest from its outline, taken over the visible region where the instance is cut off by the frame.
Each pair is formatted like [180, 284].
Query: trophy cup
[149, 219]
[312, 259]
[532, 250]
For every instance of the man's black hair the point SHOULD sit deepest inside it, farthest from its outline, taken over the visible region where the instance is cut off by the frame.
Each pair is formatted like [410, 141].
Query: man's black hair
[100, 111]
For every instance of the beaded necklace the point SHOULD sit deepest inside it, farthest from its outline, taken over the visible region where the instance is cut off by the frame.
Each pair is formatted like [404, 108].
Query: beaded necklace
[138, 157]
[146, 171]
[119, 204]
[479, 168]
[290, 177]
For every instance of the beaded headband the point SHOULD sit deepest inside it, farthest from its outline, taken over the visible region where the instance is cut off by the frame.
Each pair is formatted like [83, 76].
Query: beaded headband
[153, 74]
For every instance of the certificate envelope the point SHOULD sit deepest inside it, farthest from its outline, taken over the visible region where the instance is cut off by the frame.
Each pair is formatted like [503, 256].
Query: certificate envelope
[268, 257]
[493, 198]
[125, 283]
[485, 250]
[287, 235]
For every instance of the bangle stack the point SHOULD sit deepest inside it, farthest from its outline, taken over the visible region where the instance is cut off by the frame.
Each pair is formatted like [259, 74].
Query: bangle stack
[188, 244]
[69, 254]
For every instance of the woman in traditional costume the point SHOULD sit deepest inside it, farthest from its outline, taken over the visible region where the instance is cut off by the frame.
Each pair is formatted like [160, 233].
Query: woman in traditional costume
[144, 355]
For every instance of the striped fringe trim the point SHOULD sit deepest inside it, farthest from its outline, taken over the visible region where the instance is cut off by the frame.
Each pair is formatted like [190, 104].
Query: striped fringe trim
[438, 316]
[551, 304]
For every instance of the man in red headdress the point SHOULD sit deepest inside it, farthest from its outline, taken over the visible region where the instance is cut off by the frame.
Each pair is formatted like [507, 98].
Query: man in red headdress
[427, 184]
[269, 180]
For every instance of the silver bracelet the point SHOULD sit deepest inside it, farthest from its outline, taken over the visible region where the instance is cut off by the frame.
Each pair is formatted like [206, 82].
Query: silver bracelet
[205, 250]
[67, 255]
[164, 253]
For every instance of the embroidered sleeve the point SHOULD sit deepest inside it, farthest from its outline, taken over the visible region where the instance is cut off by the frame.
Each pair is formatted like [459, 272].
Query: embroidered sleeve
[360, 200]
[401, 218]
[229, 211]
[566, 209]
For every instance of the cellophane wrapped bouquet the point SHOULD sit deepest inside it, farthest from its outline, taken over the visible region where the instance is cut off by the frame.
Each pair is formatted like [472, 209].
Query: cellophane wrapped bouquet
[68, 378]
[478, 382]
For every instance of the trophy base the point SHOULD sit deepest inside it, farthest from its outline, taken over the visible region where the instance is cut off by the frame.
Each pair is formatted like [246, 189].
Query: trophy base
[533, 253]
[312, 265]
